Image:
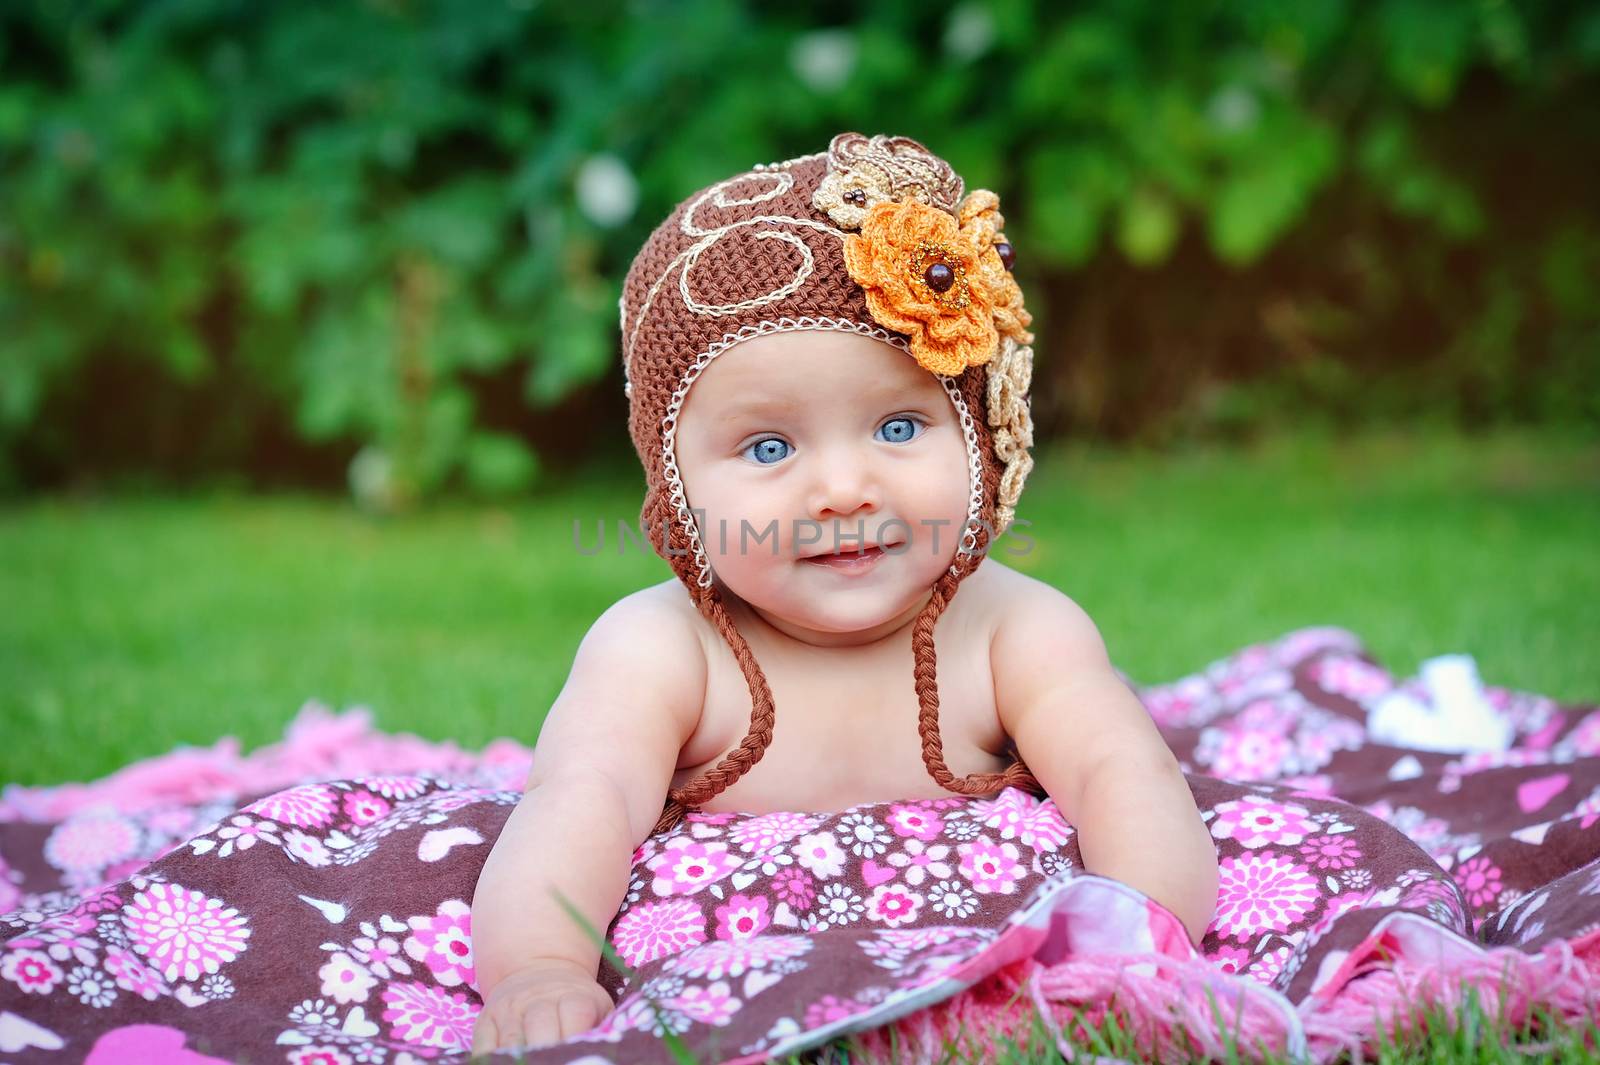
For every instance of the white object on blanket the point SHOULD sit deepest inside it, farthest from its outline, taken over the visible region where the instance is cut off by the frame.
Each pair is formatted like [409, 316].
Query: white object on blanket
[19, 1033]
[437, 844]
[1460, 719]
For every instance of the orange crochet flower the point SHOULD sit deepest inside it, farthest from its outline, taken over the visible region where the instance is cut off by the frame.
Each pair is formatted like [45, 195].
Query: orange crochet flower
[922, 277]
[981, 222]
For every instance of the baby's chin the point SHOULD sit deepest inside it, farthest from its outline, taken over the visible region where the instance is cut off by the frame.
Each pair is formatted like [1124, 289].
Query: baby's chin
[836, 611]
[838, 620]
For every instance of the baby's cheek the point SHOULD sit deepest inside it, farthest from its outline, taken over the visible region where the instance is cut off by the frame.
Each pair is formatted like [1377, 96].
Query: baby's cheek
[753, 527]
[944, 492]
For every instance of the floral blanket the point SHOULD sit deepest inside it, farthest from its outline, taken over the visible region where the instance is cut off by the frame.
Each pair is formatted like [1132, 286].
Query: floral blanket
[310, 902]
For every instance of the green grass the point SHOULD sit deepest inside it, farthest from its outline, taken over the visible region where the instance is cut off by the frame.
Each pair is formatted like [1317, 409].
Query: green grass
[1428, 1036]
[132, 625]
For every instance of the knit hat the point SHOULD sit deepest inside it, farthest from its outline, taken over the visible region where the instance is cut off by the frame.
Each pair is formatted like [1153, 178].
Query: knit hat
[873, 236]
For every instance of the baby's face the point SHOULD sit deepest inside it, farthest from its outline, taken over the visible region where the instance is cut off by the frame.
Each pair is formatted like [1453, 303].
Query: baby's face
[792, 443]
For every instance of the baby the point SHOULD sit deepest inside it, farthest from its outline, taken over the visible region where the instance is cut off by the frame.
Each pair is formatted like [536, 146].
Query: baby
[827, 363]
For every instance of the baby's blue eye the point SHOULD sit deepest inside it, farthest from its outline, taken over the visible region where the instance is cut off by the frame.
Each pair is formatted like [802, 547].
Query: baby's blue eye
[899, 430]
[768, 451]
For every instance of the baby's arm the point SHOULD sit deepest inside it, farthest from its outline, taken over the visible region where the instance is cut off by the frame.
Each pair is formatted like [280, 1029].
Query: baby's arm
[601, 768]
[1092, 745]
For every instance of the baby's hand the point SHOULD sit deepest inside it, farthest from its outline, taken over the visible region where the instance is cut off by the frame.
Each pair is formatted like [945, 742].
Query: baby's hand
[544, 1002]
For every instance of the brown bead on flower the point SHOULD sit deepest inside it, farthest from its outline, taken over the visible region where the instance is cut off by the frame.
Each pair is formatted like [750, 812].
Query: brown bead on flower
[981, 222]
[921, 277]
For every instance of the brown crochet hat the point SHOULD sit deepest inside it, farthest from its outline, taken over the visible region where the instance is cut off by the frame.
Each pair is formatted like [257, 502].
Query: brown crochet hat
[873, 236]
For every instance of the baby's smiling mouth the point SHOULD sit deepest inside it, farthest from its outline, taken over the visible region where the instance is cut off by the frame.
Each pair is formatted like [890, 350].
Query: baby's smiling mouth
[851, 555]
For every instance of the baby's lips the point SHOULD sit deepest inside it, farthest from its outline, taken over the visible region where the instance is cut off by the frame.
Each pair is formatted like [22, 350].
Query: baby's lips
[855, 549]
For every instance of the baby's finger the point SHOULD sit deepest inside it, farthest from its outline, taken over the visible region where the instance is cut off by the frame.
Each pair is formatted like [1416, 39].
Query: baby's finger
[485, 1036]
[540, 1025]
[577, 1014]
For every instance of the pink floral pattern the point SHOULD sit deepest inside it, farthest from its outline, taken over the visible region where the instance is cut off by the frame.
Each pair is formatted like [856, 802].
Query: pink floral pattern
[893, 904]
[1255, 822]
[1331, 852]
[328, 920]
[915, 821]
[443, 942]
[1244, 754]
[1229, 959]
[182, 932]
[92, 841]
[1350, 677]
[362, 807]
[794, 887]
[1260, 892]
[133, 975]
[920, 861]
[395, 788]
[242, 833]
[719, 959]
[684, 866]
[991, 867]
[344, 980]
[428, 1016]
[1023, 817]
[770, 831]
[1276, 737]
[655, 930]
[32, 971]
[742, 917]
[1480, 881]
[829, 1009]
[307, 806]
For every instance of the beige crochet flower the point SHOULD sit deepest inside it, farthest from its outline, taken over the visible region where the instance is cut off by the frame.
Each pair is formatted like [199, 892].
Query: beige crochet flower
[1010, 375]
[866, 171]
[981, 222]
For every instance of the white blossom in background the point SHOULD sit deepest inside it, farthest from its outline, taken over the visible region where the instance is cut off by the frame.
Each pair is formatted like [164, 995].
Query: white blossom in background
[1233, 108]
[824, 59]
[607, 190]
[372, 479]
[969, 32]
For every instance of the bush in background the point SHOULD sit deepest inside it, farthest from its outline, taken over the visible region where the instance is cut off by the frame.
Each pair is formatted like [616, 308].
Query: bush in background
[381, 243]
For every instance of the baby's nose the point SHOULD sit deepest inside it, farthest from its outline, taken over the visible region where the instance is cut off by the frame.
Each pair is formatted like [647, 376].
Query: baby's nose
[845, 484]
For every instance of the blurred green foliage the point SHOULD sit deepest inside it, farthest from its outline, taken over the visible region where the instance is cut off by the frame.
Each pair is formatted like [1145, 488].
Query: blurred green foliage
[386, 239]
[133, 624]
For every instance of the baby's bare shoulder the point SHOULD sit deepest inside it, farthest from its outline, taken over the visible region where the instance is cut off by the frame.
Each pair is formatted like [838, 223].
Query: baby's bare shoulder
[632, 700]
[1014, 603]
[1034, 623]
[656, 631]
